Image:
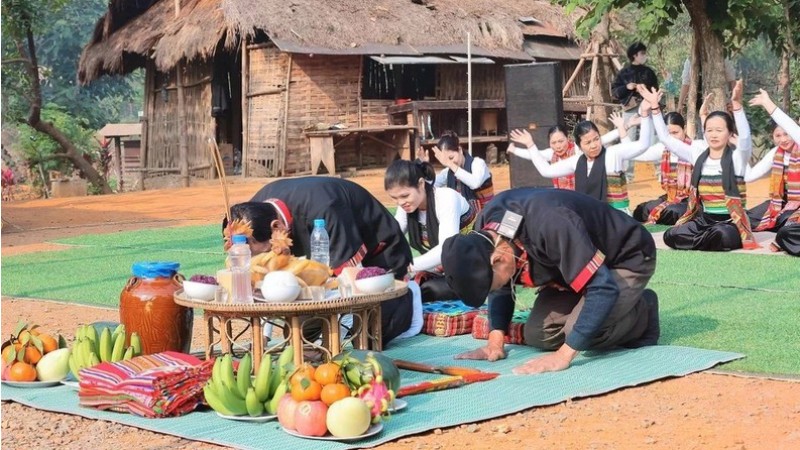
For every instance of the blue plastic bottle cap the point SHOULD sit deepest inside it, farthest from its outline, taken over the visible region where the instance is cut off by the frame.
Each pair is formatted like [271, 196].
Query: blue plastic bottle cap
[239, 239]
[319, 223]
[155, 269]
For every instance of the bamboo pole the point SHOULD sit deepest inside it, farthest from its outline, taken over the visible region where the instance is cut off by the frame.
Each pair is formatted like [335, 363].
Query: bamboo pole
[217, 159]
[286, 109]
[183, 151]
[469, 93]
[245, 106]
[592, 80]
[573, 77]
[149, 90]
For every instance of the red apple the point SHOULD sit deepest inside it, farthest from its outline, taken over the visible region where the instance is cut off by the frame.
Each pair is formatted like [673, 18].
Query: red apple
[309, 419]
[286, 410]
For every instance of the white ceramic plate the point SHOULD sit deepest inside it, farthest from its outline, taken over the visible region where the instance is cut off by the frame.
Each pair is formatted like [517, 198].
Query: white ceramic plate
[31, 384]
[75, 385]
[259, 419]
[398, 405]
[371, 431]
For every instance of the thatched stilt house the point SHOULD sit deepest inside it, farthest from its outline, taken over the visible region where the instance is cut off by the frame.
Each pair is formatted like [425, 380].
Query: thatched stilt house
[257, 75]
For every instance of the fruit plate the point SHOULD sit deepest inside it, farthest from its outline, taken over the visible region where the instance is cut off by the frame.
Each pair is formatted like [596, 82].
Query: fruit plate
[259, 419]
[371, 431]
[398, 405]
[31, 384]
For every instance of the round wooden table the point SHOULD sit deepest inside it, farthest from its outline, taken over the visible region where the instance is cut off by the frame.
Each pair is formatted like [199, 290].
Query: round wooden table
[365, 309]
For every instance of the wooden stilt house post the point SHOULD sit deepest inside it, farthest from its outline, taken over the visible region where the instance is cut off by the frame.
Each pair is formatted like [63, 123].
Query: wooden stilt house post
[183, 151]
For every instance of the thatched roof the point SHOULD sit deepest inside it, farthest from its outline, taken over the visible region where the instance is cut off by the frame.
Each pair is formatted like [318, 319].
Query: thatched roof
[318, 26]
[493, 24]
[155, 33]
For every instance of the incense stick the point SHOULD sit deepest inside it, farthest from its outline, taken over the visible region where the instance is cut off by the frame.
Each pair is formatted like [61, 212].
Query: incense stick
[215, 155]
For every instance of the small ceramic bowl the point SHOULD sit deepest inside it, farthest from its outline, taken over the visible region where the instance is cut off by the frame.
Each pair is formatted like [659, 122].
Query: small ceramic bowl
[375, 285]
[199, 291]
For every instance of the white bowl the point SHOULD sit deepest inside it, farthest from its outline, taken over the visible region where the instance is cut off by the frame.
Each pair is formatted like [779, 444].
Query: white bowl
[280, 294]
[280, 286]
[199, 291]
[375, 285]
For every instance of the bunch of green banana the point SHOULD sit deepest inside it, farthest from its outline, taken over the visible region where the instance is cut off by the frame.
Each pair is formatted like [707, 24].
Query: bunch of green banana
[241, 394]
[89, 349]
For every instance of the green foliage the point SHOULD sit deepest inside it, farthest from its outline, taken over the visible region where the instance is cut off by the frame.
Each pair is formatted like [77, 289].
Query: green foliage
[61, 28]
[40, 150]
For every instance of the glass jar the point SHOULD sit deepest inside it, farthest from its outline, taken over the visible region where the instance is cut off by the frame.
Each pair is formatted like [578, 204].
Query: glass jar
[147, 307]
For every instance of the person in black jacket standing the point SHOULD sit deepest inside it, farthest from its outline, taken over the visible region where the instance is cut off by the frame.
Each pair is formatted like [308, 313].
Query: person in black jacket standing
[624, 86]
[590, 263]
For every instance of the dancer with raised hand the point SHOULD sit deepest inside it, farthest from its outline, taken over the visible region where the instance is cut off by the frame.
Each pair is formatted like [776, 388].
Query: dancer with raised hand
[715, 219]
[561, 147]
[781, 213]
[599, 171]
[466, 174]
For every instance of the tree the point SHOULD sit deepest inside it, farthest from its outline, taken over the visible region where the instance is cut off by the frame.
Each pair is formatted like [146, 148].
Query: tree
[22, 20]
[718, 28]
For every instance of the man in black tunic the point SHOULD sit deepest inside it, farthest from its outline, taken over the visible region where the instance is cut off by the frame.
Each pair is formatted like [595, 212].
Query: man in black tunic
[590, 262]
[360, 228]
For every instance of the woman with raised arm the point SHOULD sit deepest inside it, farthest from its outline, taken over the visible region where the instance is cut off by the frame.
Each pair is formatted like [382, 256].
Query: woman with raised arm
[676, 178]
[599, 171]
[561, 147]
[430, 215]
[715, 219]
[781, 213]
[467, 175]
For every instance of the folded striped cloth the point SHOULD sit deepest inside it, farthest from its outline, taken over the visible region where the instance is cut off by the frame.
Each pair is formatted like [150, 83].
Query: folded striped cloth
[159, 385]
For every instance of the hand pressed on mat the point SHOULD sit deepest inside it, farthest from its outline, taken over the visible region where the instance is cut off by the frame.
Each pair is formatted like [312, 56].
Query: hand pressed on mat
[492, 351]
[551, 362]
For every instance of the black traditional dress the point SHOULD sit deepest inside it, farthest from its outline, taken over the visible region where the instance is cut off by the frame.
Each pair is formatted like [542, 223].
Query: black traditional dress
[361, 231]
[590, 262]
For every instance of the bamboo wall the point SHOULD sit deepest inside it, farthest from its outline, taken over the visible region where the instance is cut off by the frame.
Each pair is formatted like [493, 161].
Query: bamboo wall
[488, 82]
[266, 98]
[163, 127]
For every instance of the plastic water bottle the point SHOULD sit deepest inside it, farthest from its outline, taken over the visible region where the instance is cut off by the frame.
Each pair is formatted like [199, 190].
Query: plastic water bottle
[239, 259]
[320, 243]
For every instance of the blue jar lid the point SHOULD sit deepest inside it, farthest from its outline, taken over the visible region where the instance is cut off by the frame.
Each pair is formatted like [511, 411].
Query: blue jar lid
[155, 269]
[239, 239]
[319, 223]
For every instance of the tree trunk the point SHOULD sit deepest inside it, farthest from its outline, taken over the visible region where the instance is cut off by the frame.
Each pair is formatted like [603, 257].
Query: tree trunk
[784, 81]
[600, 96]
[35, 119]
[711, 53]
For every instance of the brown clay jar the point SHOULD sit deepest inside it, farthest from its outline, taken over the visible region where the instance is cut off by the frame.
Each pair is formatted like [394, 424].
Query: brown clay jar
[147, 307]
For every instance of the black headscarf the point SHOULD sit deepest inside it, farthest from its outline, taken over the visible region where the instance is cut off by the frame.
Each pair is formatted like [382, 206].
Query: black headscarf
[466, 259]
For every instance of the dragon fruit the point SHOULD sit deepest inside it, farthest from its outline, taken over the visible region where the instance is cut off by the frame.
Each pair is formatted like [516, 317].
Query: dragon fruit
[375, 393]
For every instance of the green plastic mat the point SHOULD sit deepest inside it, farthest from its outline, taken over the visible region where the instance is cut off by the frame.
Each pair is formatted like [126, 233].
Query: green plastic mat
[592, 374]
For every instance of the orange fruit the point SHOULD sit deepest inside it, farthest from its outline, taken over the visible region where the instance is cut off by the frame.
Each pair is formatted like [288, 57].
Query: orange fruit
[306, 389]
[6, 351]
[32, 354]
[49, 343]
[328, 373]
[304, 371]
[21, 371]
[333, 392]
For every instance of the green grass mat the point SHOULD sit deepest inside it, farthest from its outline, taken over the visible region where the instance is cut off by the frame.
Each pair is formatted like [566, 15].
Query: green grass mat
[724, 301]
[590, 375]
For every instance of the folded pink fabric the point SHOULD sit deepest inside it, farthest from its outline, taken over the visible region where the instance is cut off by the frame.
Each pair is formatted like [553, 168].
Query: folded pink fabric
[160, 385]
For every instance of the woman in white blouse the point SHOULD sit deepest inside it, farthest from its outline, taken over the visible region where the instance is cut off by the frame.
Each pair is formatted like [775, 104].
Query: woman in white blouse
[466, 174]
[781, 213]
[429, 215]
[715, 219]
[599, 170]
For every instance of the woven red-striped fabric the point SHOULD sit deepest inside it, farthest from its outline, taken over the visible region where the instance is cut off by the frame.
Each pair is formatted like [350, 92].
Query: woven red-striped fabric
[480, 327]
[159, 385]
[447, 318]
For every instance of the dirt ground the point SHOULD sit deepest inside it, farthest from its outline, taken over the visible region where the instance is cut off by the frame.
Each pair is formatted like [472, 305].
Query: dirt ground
[705, 410]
